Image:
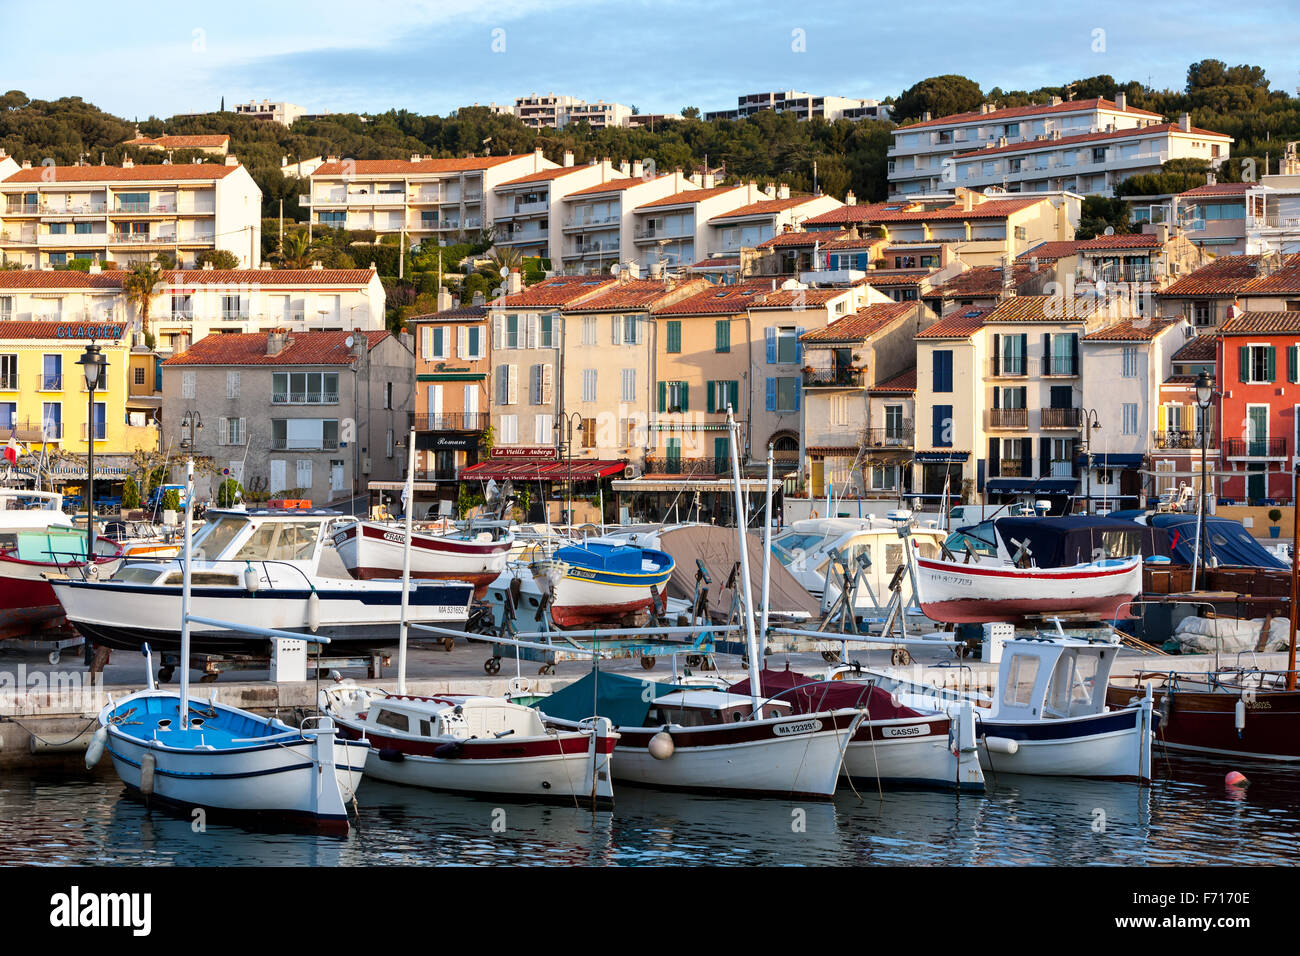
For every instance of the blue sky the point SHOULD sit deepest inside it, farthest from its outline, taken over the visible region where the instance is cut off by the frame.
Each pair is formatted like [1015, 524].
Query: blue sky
[431, 56]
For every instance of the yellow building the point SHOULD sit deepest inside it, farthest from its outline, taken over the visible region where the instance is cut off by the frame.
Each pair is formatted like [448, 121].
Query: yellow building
[44, 400]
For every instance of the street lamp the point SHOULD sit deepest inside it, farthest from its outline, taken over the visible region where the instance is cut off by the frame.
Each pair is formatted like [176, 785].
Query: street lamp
[190, 421]
[566, 442]
[1204, 395]
[1090, 421]
[93, 363]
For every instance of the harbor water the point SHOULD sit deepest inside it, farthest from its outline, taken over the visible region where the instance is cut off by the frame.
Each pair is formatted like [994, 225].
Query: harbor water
[1188, 816]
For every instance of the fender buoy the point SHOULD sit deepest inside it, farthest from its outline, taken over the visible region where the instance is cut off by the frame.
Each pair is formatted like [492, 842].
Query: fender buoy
[1236, 779]
[96, 748]
[396, 756]
[313, 612]
[661, 745]
[1001, 745]
[148, 763]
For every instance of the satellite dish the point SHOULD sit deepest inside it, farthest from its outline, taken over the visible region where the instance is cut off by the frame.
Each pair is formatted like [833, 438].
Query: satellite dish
[614, 269]
[1110, 231]
[505, 272]
[349, 341]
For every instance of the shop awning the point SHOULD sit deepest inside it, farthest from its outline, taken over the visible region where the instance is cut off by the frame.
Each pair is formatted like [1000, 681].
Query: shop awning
[1112, 460]
[940, 457]
[523, 469]
[724, 485]
[1027, 486]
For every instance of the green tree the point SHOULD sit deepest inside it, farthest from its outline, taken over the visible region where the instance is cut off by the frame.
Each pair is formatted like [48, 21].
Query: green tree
[220, 259]
[130, 494]
[171, 500]
[229, 493]
[140, 285]
[1098, 212]
[939, 96]
[297, 251]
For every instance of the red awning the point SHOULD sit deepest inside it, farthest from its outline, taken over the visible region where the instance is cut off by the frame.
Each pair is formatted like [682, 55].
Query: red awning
[524, 469]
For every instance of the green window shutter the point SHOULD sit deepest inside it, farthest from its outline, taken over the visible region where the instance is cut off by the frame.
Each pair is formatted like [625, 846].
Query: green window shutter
[711, 389]
[1243, 368]
[663, 396]
[1291, 364]
[721, 449]
[1270, 363]
[733, 395]
[685, 393]
[722, 335]
[674, 336]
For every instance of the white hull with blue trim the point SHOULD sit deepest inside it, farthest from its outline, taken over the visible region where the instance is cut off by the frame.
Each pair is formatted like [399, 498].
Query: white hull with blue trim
[599, 582]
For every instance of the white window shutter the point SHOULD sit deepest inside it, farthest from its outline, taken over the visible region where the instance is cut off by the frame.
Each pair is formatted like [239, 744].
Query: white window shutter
[532, 332]
[548, 384]
[497, 331]
[462, 339]
[616, 320]
[243, 431]
[512, 388]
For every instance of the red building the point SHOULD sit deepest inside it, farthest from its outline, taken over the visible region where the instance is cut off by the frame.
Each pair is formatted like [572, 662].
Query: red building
[1258, 364]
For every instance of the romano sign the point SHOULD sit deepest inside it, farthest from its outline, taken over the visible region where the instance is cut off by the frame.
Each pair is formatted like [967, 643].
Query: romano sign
[437, 441]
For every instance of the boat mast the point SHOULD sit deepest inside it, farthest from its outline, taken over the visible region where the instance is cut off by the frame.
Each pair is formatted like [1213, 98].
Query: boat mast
[186, 583]
[1295, 576]
[767, 549]
[408, 505]
[746, 599]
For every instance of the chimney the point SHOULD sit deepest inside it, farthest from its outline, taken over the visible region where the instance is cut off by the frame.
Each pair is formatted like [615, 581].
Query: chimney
[316, 265]
[514, 282]
[850, 199]
[625, 168]
[925, 117]
[94, 267]
[967, 200]
[1056, 101]
[275, 342]
[1211, 178]
[1121, 101]
[568, 157]
[638, 170]
[415, 157]
[1185, 122]
[445, 301]
[232, 161]
[208, 266]
[537, 158]
[770, 190]
[127, 163]
[783, 191]
[707, 181]
[479, 299]
[27, 164]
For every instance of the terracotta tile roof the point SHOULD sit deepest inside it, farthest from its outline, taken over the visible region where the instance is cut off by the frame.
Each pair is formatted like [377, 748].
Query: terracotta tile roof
[249, 348]
[1237, 275]
[291, 277]
[1180, 380]
[905, 382]
[1037, 144]
[1199, 349]
[612, 186]
[1034, 109]
[543, 176]
[181, 142]
[862, 324]
[689, 196]
[1262, 323]
[764, 207]
[981, 281]
[1217, 189]
[720, 299]
[404, 167]
[1132, 330]
[892, 280]
[956, 325]
[58, 279]
[100, 331]
[468, 313]
[717, 262]
[634, 294]
[179, 172]
[1051, 251]
[870, 212]
[1048, 308]
[798, 298]
[989, 209]
[560, 290]
[798, 239]
[1132, 240]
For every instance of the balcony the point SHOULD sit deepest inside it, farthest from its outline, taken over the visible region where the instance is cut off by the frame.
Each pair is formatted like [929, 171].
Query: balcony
[49, 383]
[707, 467]
[283, 444]
[101, 432]
[593, 248]
[585, 223]
[1008, 418]
[1060, 365]
[842, 377]
[900, 437]
[1005, 369]
[1062, 469]
[9, 383]
[234, 315]
[1062, 418]
[449, 421]
[304, 398]
[1011, 468]
[1182, 440]
[1131, 272]
[31, 431]
[1255, 447]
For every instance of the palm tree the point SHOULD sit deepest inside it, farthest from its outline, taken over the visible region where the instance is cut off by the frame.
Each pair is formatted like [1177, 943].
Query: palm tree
[296, 250]
[506, 258]
[140, 286]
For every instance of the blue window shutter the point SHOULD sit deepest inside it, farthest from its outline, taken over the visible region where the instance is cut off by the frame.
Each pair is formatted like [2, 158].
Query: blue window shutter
[798, 393]
[770, 335]
[798, 347]
[771, 394]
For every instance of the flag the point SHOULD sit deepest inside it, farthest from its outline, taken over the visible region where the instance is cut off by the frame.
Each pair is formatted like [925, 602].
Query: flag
[11, 451]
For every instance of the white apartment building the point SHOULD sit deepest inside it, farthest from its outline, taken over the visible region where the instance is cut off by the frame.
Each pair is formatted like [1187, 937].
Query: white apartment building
[529, 210]
[556, 112]
[1273, 209]
[129, 213]
[598, 225]
[763, 217]
[920, 159]
[675, 230]
[282, 113]
[423, 198]
[1090, 164]
[805, 106]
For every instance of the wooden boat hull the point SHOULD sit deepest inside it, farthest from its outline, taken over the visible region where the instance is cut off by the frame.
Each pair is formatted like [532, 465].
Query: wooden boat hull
[371, 550]
[1205, 722]
[953, 592]
[912, 752]
[1109, 746]
[581, 598]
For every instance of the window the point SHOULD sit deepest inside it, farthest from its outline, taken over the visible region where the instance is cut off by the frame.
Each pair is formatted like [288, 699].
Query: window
[52, 420]
[941, 426]
[1130, 415]
[138, 375]
[304, 388]
[233, 308]
[232, 384]
[512, 332]
[1202, 315]
[509, 428]
[438, 343]
[544, 429]
[588, 330]
[1258, 363]
[674, 397]
[82, 228]
[783, 394]
[9, 372]
[674, 336]
[589, 433]
[101, 430]
[942, 370]
[233, 431]
[884, 477]
[58, 228]
[722, 335]
[388, 395]
[1010, 354]
[540, 384]
[304, 433]
[723, 393]
[187, 384]
[588, 384]
[628, 390]
[546, 323]
[473, 347]
[787, 346]
[1130, 361]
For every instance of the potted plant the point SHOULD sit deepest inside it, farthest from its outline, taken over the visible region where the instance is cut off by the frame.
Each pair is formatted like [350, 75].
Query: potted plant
[1274, 515]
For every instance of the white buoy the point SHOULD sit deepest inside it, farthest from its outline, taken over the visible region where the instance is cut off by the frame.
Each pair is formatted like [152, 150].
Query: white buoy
[313, 612]
[96, 748]
[1239, 715]
[1001, 745]
[251, 581]
[147, 764]
[661, 745]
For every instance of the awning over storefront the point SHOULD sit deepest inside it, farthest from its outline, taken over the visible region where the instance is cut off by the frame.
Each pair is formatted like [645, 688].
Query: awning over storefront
[401, 486]
[522, 469]
[634, 485]
[1028, 486]
[833, 451]
[941, 457]
[1111, 460]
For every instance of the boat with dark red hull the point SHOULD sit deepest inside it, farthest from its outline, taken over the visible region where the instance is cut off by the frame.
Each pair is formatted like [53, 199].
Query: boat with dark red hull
[373, 549]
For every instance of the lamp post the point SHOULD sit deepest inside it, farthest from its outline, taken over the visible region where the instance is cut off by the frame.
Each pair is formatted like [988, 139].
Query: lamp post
[565, 428]
[1090, 421]
[190, 421]
[1204, 395]
[92, 363]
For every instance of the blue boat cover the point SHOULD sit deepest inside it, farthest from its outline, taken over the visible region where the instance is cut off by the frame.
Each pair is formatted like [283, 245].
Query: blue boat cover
[621, 699]
[600, 556]
[1227, 541]
[1078, 539]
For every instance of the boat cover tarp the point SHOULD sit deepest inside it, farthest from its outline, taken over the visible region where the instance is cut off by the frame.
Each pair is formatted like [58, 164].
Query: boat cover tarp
[602, 557]
[716, 547]
[1078, 539]
[1227, 541]
[809, 696]
[620, 698]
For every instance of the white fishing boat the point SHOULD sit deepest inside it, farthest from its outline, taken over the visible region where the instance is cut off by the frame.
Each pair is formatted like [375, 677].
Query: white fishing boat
[221, 758]
[1048, 715]
[374, 549]
[260, 568]
[480, 745]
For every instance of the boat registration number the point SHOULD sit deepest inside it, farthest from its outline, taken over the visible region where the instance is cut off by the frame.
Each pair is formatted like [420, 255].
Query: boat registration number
[801, 727]
[915, 730]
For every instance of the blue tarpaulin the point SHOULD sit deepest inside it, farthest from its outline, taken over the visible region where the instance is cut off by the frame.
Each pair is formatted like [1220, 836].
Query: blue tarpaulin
[623, 700]
[1226, 541]
[1077, 539]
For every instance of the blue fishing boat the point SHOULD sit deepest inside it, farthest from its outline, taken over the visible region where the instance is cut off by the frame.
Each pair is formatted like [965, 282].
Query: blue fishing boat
[598, 582]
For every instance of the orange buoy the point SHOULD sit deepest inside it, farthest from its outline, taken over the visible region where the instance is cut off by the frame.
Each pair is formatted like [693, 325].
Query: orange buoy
[1235, 779]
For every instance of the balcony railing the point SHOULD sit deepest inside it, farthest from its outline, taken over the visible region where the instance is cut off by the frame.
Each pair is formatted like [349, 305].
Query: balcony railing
[1062, 417]
[844, 377]
[101, 431]
[49, 383]
[30, 430]
[708, 467]
[9, 383]
[1186, 440]
[238, 315]
[1256, 447]
[304, 398]
[283, 444]
[1011, 468]
[1005, 369]
[1062, 469]
[888, 437]
[1060, 365]
[449, 421]
[1008, 418]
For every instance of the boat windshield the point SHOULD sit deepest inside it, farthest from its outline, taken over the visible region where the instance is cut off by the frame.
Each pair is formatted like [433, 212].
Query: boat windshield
[981, 538]
[214, 537]
[792, 545]
[281, 541]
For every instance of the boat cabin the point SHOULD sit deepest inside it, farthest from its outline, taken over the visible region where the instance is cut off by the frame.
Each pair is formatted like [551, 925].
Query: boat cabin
[462, 718]
[1052, 678]
[698, 708]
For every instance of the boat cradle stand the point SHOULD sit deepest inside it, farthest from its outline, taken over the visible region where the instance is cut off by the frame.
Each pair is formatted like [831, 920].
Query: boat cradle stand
[214, 665]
